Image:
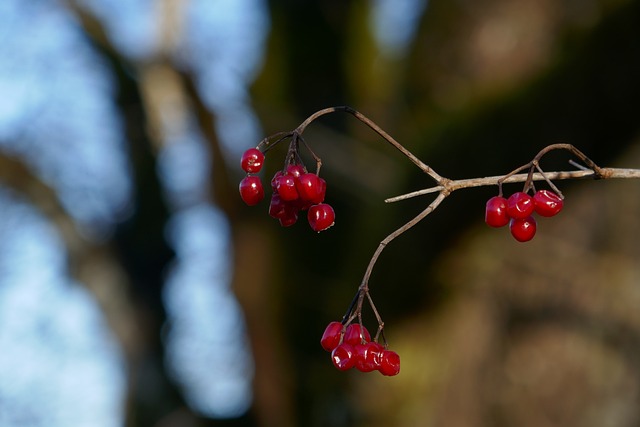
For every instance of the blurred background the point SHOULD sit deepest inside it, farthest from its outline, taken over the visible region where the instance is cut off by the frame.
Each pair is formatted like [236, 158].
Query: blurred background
[136, 289]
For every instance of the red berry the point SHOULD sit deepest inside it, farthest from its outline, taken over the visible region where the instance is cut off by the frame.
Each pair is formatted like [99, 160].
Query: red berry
[495, 214]
[274, 180]
[523, 229]
[252, 160]
[289, 217]
[309, 186]
[251, 190]
[389, 363]
[321, 190]
[520, 205]
[321, 217]
[286, 187]
[277, 207]
[343, 357]
[354, 335]
[331, 336]
[547, 203]
[368, 356]
[295, 170]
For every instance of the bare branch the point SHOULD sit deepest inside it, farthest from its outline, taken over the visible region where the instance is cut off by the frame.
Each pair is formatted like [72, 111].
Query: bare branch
[606, 173]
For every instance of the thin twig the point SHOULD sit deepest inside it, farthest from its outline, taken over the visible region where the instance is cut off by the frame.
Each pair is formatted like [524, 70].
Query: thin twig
[606, 173]
[432, 206]
[377, 129]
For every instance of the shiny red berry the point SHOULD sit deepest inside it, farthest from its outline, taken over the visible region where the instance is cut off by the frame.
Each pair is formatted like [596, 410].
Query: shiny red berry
[523, 229]
[274, 180]
[368, 356]
[252, 160]
[286, 187]
[520, 205]
[308, 186]
[547, 203]
[355, 335]
[331, 336]
[495, 214]
[343, 357]
[277, 206]
[321, 190]
[289, 217]
[321, 217]
[389, 363]
[295, 170]
[251, 190]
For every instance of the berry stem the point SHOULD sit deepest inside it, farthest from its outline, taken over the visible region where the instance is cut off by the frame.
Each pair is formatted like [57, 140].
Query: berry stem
[377, 129]
[432, 206]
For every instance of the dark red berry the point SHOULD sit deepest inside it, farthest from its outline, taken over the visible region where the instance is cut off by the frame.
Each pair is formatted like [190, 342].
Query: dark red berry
[295, 170]
[523, 229]
[331, 336]
[321, 217]
[289, 217]
[389, 363]
[354, 335]
[520, 205]
[277, 207]
[343, 357]
[368, 356]
[252, 160]
[495, 214]
[251, 190]
[547, 203]
[286, 187]
[320, 191]
[274, 180]
[309, 186]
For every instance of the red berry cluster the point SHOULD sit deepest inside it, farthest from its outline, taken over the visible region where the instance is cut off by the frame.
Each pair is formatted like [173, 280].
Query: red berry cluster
[351, 347]
[518, 209]
[294, 190]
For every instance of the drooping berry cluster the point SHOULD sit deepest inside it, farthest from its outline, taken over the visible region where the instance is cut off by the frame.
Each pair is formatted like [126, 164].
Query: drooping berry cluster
[352, 347]
[294, 190]
[251, 190]
[518, 210]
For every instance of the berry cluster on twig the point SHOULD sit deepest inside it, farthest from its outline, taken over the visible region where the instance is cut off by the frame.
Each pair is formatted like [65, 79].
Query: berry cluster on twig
[351, 347]
[294, 188]
[518, 210]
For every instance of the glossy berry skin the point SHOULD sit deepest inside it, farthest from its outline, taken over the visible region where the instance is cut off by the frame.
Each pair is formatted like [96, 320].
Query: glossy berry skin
[547, 203]
[277, 207]
[274, 180]
[331, 336]
[520, 205]
[343, 357]
[289, 217]
[368, 356]
[523, 229]
[320, 191]
[251, 190]
[252, 160]
[309, 186]
[285, 185]
[354, 335]
[295, 170]
[389, 363]
[495, 214]
[321, 217]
